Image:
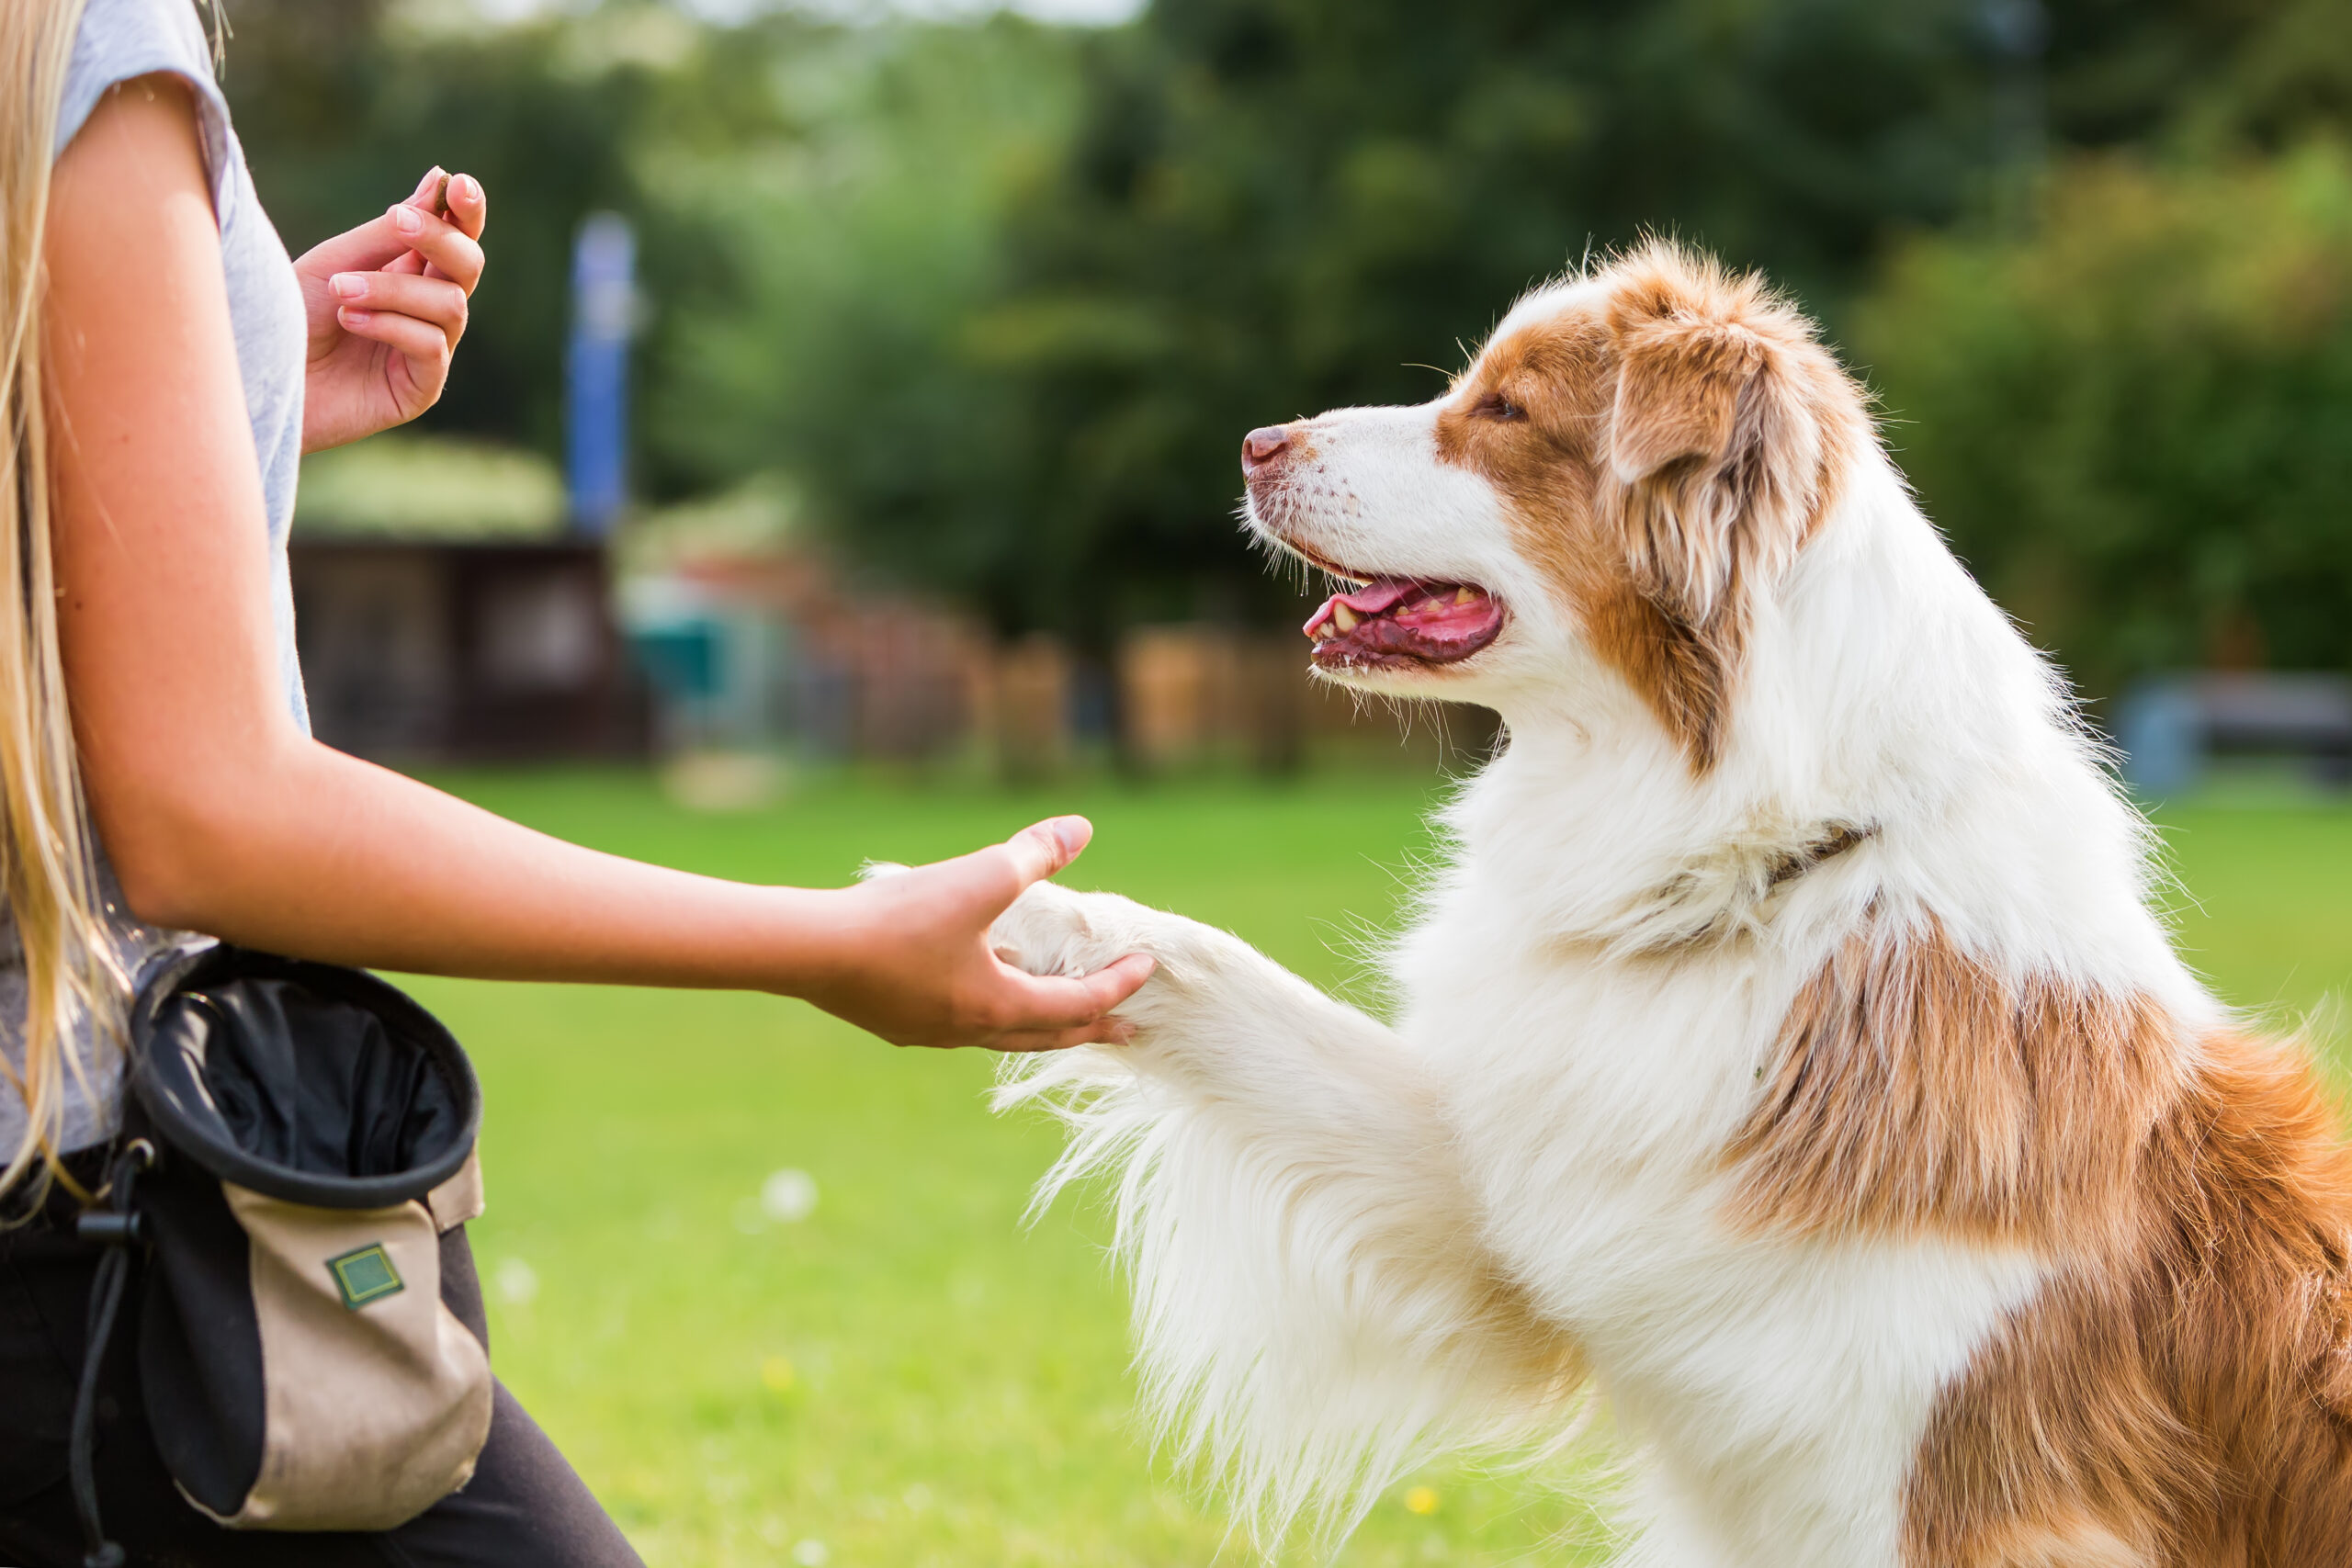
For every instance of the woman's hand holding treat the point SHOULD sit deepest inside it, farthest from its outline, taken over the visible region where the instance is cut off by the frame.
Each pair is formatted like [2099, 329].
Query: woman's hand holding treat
[387, 305]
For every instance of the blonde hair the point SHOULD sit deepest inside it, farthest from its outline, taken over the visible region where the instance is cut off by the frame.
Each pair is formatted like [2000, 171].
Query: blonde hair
[73, 985]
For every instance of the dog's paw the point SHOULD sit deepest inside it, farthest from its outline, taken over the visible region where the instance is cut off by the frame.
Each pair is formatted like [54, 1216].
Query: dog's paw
[1053, 931]
[1050, 929]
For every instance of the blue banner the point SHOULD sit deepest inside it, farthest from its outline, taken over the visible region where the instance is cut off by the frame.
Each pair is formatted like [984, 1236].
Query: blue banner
[604, 310]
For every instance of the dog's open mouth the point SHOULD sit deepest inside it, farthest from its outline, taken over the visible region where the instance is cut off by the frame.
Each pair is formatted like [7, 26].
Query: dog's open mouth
[1394, 622]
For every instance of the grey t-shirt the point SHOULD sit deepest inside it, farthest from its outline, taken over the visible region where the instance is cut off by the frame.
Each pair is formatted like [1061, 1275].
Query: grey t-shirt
[121, 39]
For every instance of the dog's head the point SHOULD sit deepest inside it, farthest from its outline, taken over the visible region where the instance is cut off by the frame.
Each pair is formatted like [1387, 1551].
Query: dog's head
[1632, 459]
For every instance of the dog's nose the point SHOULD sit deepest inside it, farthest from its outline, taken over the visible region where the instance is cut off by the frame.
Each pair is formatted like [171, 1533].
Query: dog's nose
[1263, 445]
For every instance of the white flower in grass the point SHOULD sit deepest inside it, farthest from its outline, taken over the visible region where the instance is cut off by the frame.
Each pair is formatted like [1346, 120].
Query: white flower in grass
[789, 1196]
[518, 1282]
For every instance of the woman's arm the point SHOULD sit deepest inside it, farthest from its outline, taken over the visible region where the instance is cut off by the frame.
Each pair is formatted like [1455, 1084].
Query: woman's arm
[220, 815]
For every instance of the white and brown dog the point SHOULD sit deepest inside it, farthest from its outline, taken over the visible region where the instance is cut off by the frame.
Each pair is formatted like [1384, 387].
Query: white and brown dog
[1789, 1050]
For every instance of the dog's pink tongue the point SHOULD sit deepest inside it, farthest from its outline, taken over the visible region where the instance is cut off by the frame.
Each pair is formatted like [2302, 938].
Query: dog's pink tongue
[1382, 593]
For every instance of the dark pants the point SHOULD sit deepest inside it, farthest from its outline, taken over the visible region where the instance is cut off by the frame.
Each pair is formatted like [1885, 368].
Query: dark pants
[524, 1508]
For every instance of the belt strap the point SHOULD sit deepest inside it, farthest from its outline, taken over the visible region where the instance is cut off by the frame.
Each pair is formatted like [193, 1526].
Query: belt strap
[117, 1227]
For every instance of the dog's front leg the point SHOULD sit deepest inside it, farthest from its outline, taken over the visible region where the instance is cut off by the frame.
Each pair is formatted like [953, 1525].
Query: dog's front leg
[1314, 1310]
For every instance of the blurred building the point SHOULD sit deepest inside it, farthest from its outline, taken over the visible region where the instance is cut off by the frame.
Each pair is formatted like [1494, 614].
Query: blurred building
[442, 611]
[425, 650]
[772, 649]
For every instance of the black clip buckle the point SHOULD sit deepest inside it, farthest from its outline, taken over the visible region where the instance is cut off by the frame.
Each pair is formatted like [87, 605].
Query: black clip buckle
[104, 1227]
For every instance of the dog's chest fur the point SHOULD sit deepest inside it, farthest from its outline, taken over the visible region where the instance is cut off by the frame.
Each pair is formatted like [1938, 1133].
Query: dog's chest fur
[1780, 1384]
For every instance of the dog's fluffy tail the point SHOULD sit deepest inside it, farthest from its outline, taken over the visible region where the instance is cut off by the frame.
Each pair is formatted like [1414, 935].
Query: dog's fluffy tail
[1314, 1316]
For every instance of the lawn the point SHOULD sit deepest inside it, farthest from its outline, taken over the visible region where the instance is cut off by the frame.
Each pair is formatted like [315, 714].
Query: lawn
[906, 1376]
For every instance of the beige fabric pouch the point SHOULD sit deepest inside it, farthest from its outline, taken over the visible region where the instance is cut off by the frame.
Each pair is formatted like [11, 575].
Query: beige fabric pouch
[375, 1399]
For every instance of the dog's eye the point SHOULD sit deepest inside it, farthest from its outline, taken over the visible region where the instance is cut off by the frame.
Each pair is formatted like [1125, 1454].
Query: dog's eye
[1494, 405]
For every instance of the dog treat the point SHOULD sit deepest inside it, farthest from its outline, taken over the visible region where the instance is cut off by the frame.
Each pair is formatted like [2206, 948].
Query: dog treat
[441, 199]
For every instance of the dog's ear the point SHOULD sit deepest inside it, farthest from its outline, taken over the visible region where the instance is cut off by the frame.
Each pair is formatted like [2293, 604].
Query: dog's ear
[1714, 459]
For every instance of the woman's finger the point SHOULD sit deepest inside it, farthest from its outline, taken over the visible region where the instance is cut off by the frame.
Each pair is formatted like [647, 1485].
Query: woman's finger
[421, 341]
[993, 877]
[1103, 1032]
[1053, 1002]
[1044, 848]
[468, 206]
[1116, 981]
[435, 299]
[445, 247]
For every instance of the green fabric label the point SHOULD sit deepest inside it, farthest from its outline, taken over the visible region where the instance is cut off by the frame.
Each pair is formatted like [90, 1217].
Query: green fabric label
[365, 1276]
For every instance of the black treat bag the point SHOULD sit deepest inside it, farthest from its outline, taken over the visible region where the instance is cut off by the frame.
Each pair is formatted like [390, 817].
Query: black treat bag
[298, 1154]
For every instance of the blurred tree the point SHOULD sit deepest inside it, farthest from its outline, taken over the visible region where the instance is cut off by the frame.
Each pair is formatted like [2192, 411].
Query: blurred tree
[343, 106]
[2291, 80]
[823, 336]
[2136, 422]
[1275, 206]
[2266, 72]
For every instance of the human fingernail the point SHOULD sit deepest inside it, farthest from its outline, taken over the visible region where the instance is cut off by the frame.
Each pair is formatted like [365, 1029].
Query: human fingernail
[407, 218]
[465, 188]
[425, 183]
[350, 285]
[1072, 833]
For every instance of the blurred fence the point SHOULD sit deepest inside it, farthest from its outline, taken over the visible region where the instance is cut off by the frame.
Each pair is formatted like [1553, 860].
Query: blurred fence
[777, 653]
[2173, 730]
[463, 649]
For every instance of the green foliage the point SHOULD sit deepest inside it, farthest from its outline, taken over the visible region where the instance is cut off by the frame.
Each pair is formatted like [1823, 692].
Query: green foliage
[826, 334]
[2135, 422]
[2278, 77]
[341, 112]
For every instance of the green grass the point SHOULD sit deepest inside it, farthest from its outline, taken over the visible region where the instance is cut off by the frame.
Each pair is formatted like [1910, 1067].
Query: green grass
[908, 1376]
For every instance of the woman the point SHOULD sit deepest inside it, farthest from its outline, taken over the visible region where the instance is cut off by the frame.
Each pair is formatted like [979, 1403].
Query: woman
[163, 367]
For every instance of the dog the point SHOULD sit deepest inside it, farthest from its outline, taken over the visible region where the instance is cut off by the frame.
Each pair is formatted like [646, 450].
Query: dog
[1788, 1052]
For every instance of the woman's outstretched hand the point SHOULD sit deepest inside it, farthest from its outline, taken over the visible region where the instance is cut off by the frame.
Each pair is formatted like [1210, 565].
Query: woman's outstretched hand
[387, 305]
[914, 965]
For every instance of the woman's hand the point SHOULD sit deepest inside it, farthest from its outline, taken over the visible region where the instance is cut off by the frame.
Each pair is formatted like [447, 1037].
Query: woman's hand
[913, 964]
[387, 305]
